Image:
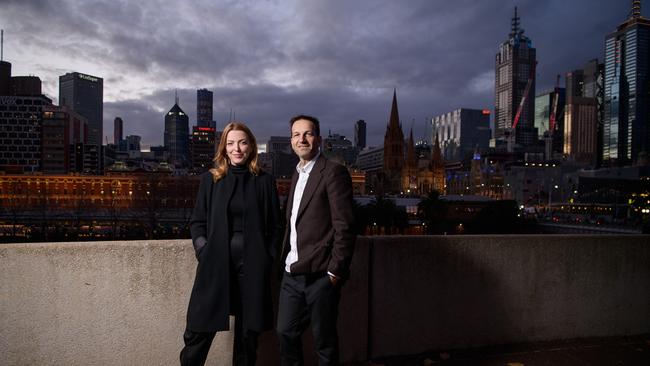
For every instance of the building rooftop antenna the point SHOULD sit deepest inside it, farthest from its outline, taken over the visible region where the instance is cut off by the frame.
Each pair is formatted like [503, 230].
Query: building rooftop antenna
[514, 25]
[2, 44]
[636, 9]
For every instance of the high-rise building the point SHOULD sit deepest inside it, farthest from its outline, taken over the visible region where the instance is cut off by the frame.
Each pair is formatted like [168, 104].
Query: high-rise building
[461, 131]
[515, 79]
[84, 94]
[62, 130]
[133, 142]
[549, 120]
[278, 144]
[202, 148]
[204, 109]
[118, 129]
[5, 78]
[360, 134]
[280, 159]
[371, 159]
[626, 124]
[339, 148]
[176, 135]
[20, 122]
[584, 91]
[26, 85]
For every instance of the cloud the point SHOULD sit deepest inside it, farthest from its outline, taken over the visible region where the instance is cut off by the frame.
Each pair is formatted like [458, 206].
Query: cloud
[339, 60]
[482, 83]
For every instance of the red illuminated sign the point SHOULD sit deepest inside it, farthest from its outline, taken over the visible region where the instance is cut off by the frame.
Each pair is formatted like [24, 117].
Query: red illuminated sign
[206, 129]
[485, 112]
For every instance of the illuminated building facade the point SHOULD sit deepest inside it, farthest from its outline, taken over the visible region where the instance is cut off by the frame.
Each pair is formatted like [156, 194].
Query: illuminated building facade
[583, 114]
[133, 205]
[202, 148]
[461, 131]
[626, 124]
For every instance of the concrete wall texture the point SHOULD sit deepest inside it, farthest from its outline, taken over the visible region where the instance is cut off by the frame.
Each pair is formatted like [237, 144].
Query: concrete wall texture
[97, 303]
[470, 291]
[124, 303]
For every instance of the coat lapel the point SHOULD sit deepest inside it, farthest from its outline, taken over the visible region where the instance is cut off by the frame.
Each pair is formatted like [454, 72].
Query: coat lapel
[315, 177]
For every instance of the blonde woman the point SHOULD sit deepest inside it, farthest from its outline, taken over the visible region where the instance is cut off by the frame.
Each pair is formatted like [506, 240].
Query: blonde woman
[235, 230]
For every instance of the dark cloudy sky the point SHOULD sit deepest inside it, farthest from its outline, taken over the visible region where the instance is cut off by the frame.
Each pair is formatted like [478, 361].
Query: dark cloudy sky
[269, 60]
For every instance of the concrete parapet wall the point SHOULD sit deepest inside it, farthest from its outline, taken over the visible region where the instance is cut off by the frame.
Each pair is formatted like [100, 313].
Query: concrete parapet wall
[432, 293]
[124, 303]
[97, 303]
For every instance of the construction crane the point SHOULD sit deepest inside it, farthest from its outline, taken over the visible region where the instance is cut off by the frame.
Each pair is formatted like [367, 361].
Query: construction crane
[510, 133]
[556, 97]
[525, 95]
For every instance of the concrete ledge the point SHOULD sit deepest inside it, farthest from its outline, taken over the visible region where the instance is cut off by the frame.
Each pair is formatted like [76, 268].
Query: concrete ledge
[97, 303]
[124, 303]
[446, 292]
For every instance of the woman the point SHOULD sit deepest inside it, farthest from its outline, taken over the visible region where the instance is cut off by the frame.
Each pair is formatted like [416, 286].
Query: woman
[235, 229]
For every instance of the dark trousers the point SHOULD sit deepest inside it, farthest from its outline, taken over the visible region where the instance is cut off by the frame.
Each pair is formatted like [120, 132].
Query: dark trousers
[197, 344]
[305, 299]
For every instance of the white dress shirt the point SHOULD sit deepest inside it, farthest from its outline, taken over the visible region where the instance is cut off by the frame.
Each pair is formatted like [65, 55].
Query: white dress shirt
[303, 176]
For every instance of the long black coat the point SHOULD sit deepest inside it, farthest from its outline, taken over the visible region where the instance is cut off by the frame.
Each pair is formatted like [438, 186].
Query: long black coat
[210, 301]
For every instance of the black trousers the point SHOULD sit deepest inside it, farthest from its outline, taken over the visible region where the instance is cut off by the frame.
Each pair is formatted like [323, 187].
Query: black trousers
[197, 344]
[305, 299]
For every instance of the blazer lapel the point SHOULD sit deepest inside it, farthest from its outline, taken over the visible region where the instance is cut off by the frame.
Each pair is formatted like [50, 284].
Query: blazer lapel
[315, 177]
[292, 190]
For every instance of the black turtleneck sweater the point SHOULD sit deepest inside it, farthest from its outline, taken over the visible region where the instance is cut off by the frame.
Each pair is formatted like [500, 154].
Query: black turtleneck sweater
[236, 205]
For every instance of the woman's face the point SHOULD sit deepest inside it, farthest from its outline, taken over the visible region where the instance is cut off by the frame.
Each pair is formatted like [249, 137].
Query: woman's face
[238, 147]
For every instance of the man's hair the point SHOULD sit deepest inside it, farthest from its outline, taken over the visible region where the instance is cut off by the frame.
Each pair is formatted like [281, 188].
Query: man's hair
[311, 119]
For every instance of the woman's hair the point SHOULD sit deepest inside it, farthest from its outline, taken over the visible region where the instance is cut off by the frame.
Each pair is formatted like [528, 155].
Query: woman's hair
[221, 161]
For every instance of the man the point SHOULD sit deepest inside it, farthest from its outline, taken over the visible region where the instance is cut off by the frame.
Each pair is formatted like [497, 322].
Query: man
[318, 246]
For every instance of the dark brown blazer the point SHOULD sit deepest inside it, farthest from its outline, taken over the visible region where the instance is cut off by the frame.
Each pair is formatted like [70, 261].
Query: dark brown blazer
[325, 221]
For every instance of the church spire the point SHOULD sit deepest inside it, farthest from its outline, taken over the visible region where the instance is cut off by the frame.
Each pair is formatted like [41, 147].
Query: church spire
[393, 150]
[411, 160]
[436, 153]
[393, 122]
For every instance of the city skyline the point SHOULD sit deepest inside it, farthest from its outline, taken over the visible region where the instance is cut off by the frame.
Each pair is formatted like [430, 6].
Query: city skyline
[269, 61]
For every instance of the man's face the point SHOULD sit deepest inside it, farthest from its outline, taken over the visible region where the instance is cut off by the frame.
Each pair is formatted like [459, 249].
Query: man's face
[303, 139]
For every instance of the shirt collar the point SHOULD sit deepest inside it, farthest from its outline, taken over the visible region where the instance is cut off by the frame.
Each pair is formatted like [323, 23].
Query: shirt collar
[309, 166]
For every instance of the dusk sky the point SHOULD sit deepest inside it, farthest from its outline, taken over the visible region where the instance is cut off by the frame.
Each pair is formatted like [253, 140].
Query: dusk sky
[338, 60]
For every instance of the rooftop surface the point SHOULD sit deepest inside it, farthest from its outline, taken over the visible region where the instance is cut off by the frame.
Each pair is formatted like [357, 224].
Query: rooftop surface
[582, 352]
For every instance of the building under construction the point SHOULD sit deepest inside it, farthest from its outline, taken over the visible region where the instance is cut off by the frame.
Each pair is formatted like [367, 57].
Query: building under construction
[515, 91]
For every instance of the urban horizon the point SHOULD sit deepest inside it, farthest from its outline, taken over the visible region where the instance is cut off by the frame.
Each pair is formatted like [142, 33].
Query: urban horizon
[535, 161]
